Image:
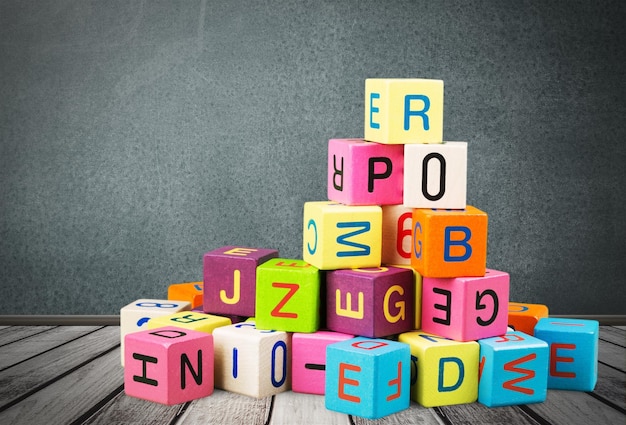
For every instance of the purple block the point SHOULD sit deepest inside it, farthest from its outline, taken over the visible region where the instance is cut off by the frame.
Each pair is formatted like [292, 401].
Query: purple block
[230, 279]
[374, 302]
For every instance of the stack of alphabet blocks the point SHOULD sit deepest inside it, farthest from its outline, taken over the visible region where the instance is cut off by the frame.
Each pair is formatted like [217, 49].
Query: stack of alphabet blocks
[391, 301]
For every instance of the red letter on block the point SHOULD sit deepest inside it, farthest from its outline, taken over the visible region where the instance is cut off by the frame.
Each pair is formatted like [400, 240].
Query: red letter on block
[554, 359]
[528, 374]
[346, 381]
[293, 288]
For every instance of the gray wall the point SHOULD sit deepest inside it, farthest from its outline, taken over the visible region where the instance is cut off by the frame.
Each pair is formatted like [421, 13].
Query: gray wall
[137, 135]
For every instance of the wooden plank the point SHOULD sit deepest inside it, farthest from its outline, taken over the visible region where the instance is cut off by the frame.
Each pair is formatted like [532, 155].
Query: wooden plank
[20, 380]
[415, 414]
[16, 333]
[123, 409]
[612, 355]
[60, 320]
[34, 345]
[70, 397]
[304, 409]
[575, 408]
[223, 407]
[477, 413]
[613, 334]
[611, 385]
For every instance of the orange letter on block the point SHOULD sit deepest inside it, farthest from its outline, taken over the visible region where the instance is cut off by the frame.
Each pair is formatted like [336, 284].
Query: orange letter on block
[346, 381]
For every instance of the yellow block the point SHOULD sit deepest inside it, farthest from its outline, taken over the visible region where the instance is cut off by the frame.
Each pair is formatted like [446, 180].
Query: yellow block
[403, 111]
[191, 320]
[338, 236]
[447, 370]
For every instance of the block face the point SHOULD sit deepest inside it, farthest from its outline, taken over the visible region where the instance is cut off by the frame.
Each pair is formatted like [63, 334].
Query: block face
[230, 279]
[367, 377]
[466, 308]
[513, 370]
[168, 365]
[364, 173]
[396, 239]
[573, 352]
[251, 361]
[337, 236]
[435, 176]
[444, 371]
[135, 316]
[191, 320]
[449, 243]
[189, 291]
[288, 296]
[371, 302]
[308, 363]
[524, 317]
[403, 111]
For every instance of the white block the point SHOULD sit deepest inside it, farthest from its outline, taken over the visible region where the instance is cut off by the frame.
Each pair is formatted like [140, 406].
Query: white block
[435, 175]
[397, 227]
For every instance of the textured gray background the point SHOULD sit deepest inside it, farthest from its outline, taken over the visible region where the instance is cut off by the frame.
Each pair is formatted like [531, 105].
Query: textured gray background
[137, 135]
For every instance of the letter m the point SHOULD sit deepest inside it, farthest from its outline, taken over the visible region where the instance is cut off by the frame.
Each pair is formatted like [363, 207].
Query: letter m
[361, 249]
[528, 374]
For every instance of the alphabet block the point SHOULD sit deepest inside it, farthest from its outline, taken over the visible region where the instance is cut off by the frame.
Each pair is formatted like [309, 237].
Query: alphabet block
[288, 296]
[230, 279]
[337, 236]
[449, 243]
[191, 320]
[466, 308]
[135, 316]
[397, 240]
[168, 365]
[251, 361]
[513, 370]
[364, 173]
[371, 302]
[435, 176]
[191, 291]
[367, 377]
[308, 360]
[524, 317]
[573, 352]
[443, 371]
[401, 111]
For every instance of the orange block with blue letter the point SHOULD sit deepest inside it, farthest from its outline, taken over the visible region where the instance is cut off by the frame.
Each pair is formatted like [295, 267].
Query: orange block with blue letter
[573, 352]
[513, 370]
[369, 378]
[524, 317]
[189, 291]
[449, 243]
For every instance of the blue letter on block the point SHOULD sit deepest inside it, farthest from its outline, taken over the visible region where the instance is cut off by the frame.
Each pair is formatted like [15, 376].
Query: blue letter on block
[442, 363]
[373, 110]
[408, 113]
[343, 239]
[448, 242]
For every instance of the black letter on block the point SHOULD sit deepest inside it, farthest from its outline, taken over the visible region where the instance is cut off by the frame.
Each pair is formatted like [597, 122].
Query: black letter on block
[371, 175]
[445, 307]
[184, 360]
[480, 306]
[338, 172]
[442, 176]
[144, 379]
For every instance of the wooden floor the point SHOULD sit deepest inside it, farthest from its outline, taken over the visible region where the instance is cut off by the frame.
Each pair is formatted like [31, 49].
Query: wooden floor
[72, 375]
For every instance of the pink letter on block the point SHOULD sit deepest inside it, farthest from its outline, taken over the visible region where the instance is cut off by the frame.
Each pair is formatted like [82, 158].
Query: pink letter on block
[365, 173]
[466, 308]
[308, 361]
[168, 365]
[230, 279]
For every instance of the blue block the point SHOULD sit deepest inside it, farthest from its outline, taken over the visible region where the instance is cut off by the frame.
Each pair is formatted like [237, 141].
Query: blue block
[368, 377]
[573, 352]
[513, 370]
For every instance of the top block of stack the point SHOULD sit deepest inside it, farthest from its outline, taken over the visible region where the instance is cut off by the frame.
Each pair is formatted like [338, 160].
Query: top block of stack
[403, 111]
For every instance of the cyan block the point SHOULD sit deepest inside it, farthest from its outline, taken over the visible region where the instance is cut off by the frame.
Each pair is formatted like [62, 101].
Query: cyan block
[573, 352]
[513, 370]
[368, 377]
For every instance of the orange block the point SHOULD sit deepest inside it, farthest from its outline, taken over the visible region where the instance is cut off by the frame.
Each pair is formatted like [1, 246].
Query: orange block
[449, 243]
[523, 317]
[189, 291]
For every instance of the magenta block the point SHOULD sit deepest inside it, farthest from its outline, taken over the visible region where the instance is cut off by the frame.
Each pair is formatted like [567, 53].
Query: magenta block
[373, 302]
[365, 173]
[466, 308]
[308, 362]
[168, 365]
[230, 279]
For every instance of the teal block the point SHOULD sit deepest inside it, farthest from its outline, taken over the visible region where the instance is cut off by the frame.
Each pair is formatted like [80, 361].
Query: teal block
[573, 352]
[368, 377]
[288, 296]
[513, 370]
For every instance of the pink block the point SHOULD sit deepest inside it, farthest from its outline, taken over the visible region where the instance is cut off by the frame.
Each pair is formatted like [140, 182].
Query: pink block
[365, 173]
[466, 308]
[374, 302]
[230, 279]
[308, 362]
[168, 365]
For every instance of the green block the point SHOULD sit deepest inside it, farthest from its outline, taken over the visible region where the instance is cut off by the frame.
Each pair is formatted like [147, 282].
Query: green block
[287, 296]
